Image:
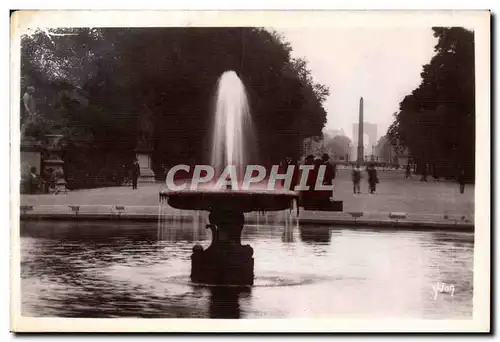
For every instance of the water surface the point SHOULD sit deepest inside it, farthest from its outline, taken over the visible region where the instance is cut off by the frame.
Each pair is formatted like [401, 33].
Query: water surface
[113, 269]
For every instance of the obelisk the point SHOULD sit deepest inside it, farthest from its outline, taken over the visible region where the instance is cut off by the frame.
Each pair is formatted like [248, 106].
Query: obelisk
[360, 133]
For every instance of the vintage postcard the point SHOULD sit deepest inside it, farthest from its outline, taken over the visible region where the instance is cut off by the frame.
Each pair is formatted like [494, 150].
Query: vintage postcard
[250, 171]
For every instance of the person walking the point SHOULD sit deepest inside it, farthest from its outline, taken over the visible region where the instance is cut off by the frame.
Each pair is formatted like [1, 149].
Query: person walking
[356, 179]
[282, 169]
[424, 173]
[372, 178]
[33, 181]
[306, 196]
[461, 180]
[330, 170]
[435, 173]
[408, 171]
[328, 177]
[295, 177]
[135, 174]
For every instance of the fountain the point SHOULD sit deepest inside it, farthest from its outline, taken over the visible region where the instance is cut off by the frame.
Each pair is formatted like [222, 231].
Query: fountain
[226, 261]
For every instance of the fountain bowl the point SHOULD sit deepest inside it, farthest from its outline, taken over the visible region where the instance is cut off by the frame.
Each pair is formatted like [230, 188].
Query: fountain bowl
[230, 200]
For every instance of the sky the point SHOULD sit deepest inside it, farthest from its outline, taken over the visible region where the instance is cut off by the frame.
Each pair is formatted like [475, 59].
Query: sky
[381, 65]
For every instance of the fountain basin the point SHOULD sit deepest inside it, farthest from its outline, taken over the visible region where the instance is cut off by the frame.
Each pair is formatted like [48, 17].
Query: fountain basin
[230, 200]
[226, 261]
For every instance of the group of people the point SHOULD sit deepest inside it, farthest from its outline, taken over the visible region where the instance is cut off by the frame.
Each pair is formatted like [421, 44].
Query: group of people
[330, 169]
[372, 178]
[314, 196]
[316, 162]
[461, 178]
[34, 183]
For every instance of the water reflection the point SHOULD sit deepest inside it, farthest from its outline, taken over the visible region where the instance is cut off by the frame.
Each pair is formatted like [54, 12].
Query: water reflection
[190, 226]
[288, 233]
[225, 301]
[113, 269]
[315, 234]
[458, 239]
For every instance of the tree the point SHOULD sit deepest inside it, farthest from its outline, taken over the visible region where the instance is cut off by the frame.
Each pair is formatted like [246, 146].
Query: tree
[385, 151]
[172, 73]
[437, 120]
[77, 96]
[339, 146]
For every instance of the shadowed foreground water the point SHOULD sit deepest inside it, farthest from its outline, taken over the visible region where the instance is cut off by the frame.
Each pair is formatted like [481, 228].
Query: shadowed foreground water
[109, 269]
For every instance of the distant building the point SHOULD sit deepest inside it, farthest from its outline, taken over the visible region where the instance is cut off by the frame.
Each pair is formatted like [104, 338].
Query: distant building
[370, 131]
[385, 152]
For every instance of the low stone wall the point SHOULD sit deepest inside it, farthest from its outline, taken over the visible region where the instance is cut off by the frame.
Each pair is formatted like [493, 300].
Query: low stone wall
[151, 213]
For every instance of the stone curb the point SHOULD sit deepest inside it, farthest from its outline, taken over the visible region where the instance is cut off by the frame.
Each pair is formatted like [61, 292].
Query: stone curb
[392, 220]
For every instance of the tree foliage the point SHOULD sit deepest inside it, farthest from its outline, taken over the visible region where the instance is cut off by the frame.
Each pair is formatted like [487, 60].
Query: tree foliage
[385, 151]
[339, 146]
[437, 120]
[94, 83]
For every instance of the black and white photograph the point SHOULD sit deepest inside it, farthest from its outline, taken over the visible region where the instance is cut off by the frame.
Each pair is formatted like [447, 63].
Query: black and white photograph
[279, 171]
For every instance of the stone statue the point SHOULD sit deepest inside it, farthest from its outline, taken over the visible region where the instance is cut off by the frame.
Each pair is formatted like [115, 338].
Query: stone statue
[144, 145]
[29, 101]
[146, 129]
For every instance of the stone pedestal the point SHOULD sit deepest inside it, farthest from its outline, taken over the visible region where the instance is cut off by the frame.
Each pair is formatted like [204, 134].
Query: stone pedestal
[31, 155]
[143, 155]
[53, 163]
[225, 261]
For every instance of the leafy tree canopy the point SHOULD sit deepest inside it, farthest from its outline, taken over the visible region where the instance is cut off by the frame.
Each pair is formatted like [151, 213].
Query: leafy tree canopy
[437, 120]
[92, 85]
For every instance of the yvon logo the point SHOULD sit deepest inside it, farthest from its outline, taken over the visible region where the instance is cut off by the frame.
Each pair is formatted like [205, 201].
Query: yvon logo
[443, 288]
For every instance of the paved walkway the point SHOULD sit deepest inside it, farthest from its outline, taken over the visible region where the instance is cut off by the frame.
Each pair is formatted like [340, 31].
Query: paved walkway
[398, 202]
